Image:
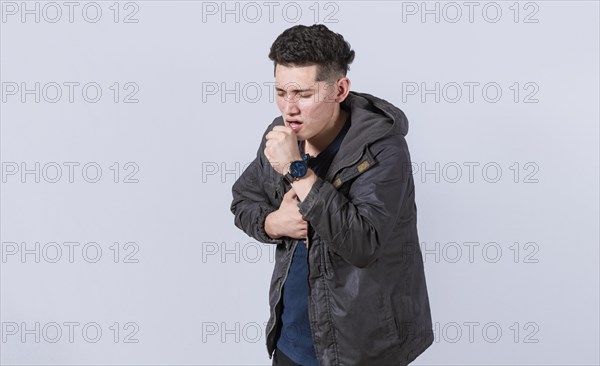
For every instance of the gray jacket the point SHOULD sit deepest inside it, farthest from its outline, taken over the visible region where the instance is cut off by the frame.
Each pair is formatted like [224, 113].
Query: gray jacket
[368, 302]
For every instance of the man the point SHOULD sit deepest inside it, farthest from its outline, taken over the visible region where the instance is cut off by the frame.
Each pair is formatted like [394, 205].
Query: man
[332, 187]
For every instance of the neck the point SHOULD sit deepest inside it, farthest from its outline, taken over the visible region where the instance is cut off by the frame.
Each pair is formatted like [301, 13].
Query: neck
[315, 145]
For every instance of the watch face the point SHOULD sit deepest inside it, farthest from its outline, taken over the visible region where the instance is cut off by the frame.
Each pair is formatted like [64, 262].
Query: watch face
[298, 169]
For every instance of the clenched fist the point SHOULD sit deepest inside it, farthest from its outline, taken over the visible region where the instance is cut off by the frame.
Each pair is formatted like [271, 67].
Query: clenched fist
[281, 148]
[287, 220]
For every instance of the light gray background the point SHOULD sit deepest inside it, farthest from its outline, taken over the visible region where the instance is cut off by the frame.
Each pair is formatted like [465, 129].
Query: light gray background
[194, 292]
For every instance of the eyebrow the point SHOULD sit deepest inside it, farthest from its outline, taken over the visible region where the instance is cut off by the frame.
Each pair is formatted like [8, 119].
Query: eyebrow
[294, 90]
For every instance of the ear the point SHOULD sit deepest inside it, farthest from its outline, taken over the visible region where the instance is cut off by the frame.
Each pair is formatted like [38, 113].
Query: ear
[343, 88]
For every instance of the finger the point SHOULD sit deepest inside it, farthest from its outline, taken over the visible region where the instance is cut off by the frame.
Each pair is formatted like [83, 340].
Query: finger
[273, 135]
[282, 129]
[299, 233]
[271, 144]
[273, 132]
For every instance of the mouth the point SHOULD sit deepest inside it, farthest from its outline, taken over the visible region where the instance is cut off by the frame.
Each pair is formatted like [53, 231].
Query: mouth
[294, 125]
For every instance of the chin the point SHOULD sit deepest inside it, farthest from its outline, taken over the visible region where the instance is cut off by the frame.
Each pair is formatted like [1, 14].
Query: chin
[302, 137]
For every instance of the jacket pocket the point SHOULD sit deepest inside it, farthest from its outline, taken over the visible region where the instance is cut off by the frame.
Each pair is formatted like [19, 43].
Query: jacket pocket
[389, 318]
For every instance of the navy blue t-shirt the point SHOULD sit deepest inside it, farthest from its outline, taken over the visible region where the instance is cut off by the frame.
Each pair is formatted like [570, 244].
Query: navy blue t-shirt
[295, 339]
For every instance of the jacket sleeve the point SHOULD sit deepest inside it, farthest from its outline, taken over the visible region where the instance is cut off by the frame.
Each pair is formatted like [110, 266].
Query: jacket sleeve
[251, 203]
[355, 227]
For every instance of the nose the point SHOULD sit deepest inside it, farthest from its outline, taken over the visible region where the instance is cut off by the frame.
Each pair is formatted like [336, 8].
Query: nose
[290, 105]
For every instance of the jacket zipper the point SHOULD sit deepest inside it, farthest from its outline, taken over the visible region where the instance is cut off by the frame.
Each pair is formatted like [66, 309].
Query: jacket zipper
[282, 282]
[290, 262]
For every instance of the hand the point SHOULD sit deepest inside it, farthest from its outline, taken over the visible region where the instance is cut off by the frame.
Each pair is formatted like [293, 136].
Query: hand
[287, 220]
[281, 148]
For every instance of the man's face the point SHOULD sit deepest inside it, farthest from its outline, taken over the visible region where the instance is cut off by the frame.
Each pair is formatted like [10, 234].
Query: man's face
[307, 106]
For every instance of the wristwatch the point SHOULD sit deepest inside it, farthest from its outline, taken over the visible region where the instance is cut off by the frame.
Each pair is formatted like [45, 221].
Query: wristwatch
[298, 169]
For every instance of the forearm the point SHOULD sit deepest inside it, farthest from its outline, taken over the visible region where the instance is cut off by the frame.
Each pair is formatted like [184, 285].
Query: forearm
[251, 205]
[250, 218]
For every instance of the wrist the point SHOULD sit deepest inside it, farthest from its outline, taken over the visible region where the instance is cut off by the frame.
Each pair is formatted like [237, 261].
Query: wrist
[295, 170]
[303, 185]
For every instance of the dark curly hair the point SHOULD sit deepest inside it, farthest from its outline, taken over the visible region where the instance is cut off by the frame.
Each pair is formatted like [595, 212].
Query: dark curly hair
[303, 45]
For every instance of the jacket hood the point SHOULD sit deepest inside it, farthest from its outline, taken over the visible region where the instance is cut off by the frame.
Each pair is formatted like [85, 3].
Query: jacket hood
[368, 109]
[372, 118]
